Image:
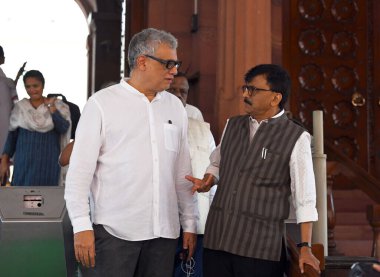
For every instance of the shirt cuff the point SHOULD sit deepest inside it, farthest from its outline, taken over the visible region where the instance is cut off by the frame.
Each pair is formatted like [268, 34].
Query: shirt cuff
[189, 225]
[81, 224]
[306, 214]
[213, 171]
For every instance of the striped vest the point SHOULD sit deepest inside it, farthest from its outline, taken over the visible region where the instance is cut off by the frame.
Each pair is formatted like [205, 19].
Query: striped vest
[247, 215]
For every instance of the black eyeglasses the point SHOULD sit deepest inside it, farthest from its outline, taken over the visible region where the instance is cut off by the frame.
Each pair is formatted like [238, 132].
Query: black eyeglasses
[252, 90]
[169, 64]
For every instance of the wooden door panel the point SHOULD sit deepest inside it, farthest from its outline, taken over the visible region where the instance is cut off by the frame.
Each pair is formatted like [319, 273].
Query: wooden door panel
[329, 62]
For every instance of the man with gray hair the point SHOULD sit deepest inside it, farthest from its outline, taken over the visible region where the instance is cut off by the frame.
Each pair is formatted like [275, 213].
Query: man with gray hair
[131, 155]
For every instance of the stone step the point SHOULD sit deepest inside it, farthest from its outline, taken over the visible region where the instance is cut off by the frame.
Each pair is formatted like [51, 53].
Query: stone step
[353, 232]
[350, 194]
[351, 201]
[354, 247]
[351, 205]
[349, 218]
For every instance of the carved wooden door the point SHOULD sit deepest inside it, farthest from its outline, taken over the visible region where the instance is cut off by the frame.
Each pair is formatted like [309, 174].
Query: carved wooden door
[329, 51]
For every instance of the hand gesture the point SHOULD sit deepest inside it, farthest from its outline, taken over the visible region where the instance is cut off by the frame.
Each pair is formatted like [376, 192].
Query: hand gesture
[203, 185]
[50, 103]
[49, 100]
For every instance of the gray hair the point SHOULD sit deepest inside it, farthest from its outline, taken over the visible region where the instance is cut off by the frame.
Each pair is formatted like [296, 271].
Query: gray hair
[146, 43]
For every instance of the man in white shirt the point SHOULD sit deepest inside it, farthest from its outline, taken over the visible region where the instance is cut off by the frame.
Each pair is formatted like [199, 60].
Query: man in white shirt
[131, 155]
[8, 95]
[201, 144]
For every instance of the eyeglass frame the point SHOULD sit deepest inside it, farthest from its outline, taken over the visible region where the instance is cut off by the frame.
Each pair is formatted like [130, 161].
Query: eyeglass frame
[166, 63]
[252, 90]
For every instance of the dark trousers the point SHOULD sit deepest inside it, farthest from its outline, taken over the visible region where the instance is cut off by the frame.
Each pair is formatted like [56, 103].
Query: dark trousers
[116, 257]
[224, 264]
[180, 266]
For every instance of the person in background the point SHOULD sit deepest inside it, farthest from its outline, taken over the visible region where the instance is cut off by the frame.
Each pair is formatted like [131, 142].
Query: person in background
[39, 128]
[193, 112]
[182, 92]
[131, 155]
[74, 112]
[201, 144]
[8, 96]
[262, 159]
[64, 157]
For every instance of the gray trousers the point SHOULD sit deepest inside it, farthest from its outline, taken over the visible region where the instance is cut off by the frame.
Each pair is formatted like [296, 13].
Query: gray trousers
[121, 258]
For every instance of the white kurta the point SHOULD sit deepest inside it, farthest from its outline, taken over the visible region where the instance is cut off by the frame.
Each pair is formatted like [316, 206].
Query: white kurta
[201, 143]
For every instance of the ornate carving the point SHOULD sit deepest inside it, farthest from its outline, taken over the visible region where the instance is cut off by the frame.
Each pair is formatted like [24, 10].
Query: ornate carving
[311, 77]
[311, 42]
[343, 115]
[344, 44]
[344, 10]
[311, 9]
[347, 146]
[345, 79]
[306, 111]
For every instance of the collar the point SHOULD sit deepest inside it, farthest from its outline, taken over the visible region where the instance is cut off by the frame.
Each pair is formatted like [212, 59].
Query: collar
[125, 84]
[266, 120]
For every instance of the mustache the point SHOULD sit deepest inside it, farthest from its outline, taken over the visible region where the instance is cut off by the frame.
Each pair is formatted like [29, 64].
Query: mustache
[247, 101]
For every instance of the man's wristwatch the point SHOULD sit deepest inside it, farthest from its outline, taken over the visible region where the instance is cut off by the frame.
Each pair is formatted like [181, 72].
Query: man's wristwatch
[302, 244]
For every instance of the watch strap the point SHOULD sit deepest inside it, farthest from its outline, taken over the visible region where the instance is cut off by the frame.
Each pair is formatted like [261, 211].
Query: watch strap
[302, 244]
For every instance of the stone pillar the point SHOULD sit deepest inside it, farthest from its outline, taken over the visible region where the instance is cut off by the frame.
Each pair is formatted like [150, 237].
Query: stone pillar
[319, 163]
[244, 40]
[105, 31]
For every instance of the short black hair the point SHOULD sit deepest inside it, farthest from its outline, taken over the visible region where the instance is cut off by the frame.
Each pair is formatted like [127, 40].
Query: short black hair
[1, 52]
[34, 74]
[277, 78]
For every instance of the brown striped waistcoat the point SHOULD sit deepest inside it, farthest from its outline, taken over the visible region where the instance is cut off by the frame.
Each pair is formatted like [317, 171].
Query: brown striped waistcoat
[252, 200]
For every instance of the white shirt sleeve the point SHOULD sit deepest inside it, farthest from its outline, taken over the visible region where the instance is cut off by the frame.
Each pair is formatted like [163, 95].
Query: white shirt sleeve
[213, 168]
[187, 202]
[213, 188]
[82, 166]
[302, 180]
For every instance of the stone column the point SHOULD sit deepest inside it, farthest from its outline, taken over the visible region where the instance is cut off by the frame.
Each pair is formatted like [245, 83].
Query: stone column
[244, 40]
[105, 31]
[319, 163]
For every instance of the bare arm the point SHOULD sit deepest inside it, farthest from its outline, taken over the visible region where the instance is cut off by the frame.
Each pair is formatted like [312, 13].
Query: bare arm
[4, 168]
[306, 256]
[189, 242]
[64, 158]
